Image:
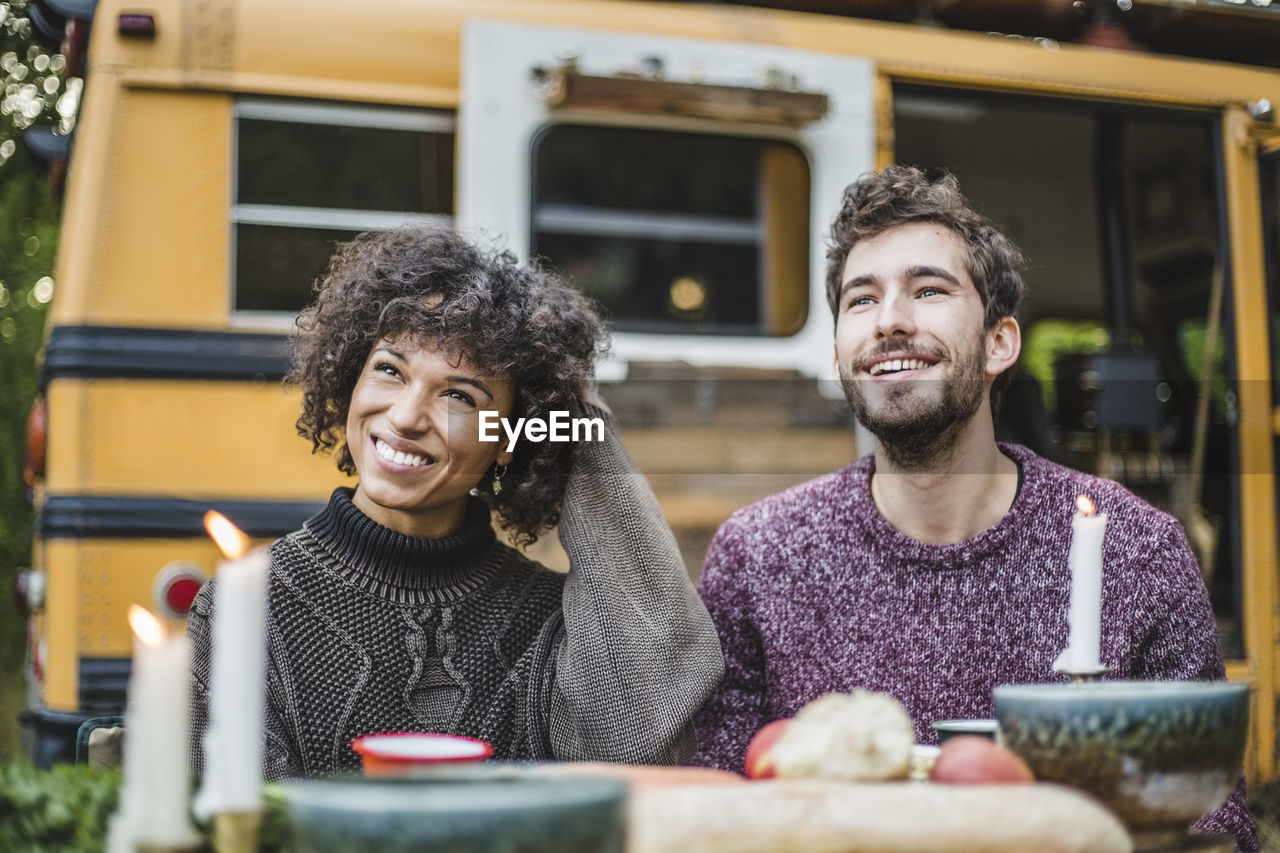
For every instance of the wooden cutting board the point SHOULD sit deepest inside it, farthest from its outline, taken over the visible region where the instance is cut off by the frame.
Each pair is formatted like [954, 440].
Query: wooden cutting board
[897, 817]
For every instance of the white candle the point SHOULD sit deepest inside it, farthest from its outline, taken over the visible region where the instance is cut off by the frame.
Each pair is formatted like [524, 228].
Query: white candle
[237, 693]
[1085, 615]
[157, 773]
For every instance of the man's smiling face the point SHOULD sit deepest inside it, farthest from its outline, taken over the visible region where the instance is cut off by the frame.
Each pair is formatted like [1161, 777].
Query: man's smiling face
[911, 347]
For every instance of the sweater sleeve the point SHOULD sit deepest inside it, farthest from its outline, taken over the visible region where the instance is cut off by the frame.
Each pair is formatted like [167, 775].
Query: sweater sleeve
[638, 653]
[199, 634]
[1182, 644]
[739, 708]
[279, 760]
[1178, 640]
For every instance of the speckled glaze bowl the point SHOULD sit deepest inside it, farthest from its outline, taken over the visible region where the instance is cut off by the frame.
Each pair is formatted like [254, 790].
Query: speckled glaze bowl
[947, 729]
[1160, 754]
[455, 812]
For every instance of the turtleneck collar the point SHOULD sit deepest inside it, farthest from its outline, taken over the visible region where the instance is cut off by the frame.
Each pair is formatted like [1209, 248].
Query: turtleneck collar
[405, 568]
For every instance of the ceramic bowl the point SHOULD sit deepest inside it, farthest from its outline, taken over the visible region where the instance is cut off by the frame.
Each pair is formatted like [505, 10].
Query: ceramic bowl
[1160, 754]
[456, 811]
[410, 753]
[948, 729]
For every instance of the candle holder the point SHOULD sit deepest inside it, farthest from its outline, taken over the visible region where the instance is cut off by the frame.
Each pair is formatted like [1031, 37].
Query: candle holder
[236, 832]
[1084, 676]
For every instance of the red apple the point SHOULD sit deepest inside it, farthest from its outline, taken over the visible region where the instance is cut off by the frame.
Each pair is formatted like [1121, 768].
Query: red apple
[974, 760]
[758, 764]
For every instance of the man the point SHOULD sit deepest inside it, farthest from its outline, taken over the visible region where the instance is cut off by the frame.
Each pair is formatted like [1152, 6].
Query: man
[935, 569]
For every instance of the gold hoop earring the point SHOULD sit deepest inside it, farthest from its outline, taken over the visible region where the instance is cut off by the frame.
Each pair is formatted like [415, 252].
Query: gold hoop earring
[499, 471]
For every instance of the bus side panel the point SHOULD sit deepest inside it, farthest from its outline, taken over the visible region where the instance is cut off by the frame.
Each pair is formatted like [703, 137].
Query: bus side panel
[169, 159]
[92, 582]
[60, 625]
[181, 438]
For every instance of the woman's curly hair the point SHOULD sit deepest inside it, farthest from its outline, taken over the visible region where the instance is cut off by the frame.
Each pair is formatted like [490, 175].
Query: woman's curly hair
[511, 320]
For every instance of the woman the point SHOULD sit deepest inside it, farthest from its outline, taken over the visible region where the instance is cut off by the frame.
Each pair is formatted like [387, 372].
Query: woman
[396, 608]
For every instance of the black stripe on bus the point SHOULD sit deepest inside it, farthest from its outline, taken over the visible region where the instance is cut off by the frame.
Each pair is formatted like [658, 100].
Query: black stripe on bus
[112, 517]
[103, 683]
[112, 352]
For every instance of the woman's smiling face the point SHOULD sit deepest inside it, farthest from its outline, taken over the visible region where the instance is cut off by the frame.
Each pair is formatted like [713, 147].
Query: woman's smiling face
[413, 430]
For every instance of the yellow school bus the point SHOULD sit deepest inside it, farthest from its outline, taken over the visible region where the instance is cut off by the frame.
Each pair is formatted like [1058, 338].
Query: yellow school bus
[680, 162]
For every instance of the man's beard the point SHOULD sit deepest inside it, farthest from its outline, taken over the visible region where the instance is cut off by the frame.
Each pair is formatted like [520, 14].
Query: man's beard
[915, 431]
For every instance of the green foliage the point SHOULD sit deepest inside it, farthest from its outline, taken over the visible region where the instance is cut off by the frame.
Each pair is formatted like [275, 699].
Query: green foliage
[65, 809]
[33, 92]
[28, 240]
[68, 810]
[1049, 340]
[274, 834]
[1192, 335]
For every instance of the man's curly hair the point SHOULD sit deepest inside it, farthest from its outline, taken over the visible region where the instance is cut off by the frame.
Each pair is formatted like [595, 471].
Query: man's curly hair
[511, 320]
[896, 195]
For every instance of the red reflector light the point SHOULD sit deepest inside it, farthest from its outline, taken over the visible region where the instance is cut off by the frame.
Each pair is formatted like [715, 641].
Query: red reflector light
[37, 656]
[181, 593]
[37, 443]
[176, 587]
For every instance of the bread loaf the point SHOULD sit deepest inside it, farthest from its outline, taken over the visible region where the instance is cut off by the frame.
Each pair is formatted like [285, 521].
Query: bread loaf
[858, 736]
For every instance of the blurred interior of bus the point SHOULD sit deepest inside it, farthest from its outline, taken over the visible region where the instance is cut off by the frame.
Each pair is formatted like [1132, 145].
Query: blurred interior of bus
[1126, 322]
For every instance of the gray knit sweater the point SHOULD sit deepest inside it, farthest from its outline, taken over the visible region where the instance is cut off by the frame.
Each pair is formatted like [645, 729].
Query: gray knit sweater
[812, 591]
[373, 631]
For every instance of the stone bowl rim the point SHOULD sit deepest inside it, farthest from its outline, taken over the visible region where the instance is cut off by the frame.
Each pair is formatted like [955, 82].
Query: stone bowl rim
[987, 727]
[1106, 691]
[450, 793]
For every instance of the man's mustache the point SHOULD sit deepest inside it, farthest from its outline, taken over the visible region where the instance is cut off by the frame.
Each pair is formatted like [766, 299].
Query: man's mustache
[889, 350]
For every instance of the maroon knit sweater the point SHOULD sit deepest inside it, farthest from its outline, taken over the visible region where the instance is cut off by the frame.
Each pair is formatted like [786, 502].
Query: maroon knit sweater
[813, 591]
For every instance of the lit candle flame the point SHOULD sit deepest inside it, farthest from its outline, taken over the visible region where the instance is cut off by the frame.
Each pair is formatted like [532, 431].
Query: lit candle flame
[1085, 505]
[146, 627]
[229, 538]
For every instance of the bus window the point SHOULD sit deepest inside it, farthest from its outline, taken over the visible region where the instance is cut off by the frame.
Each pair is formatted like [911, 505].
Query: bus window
[675, 231]
[312, 175]
[1121, 337]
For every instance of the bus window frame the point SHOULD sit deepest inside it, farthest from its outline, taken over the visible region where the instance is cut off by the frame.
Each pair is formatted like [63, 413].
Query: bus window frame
[1246, 144]
[759, 226]
[500, 113]
[331, 114]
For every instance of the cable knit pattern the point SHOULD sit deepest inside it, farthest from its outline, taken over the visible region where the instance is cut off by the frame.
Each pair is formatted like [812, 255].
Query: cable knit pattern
[371, 631]
[813, 591]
